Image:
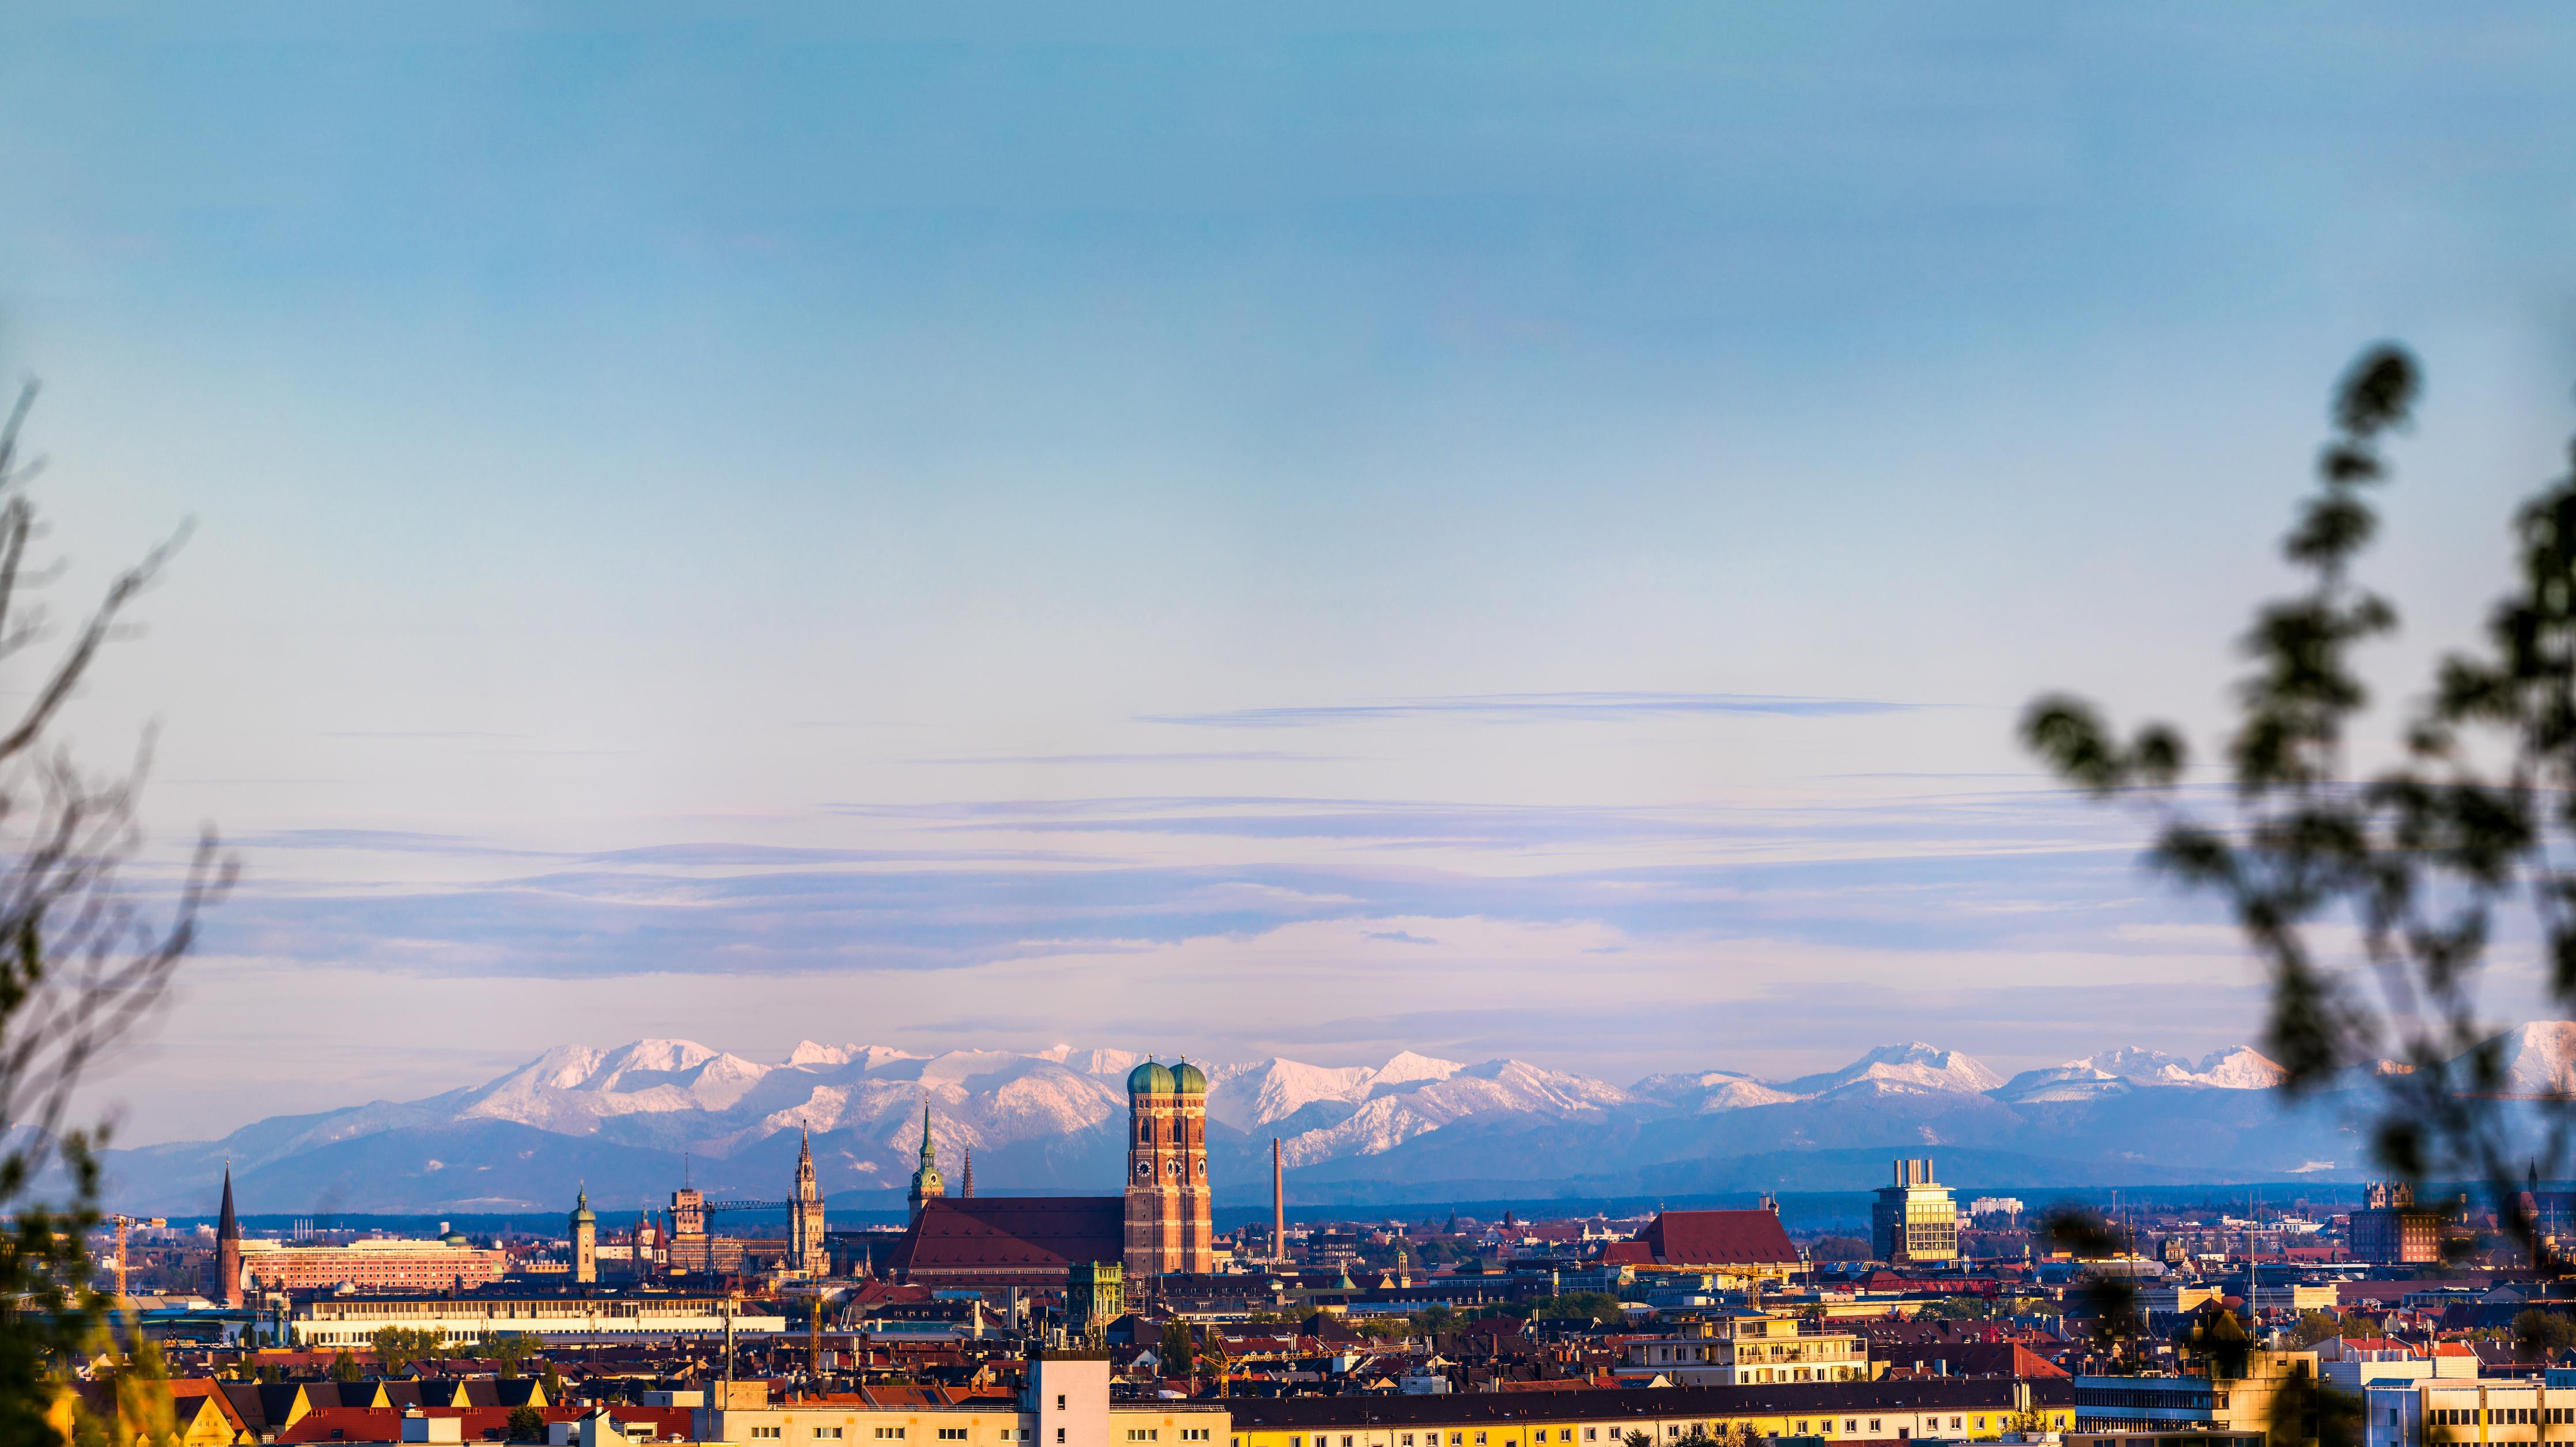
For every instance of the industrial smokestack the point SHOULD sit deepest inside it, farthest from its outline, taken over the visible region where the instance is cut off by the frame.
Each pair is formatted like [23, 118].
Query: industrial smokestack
[1278, 1204]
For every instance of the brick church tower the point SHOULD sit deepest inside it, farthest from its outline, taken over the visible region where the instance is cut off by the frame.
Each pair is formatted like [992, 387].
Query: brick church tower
[228, 1253]
[1168, 1225]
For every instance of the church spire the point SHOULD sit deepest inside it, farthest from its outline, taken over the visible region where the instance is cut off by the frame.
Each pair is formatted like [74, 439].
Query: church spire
[227, 1226]
[967, 1184]
[228, 1256]
[926, 1183]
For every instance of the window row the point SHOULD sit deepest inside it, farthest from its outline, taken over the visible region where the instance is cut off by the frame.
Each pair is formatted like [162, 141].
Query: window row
[2503, 1416]
[1676, 1431]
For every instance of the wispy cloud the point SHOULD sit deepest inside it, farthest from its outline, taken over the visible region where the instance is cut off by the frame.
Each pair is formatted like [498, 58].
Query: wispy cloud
[1607, 707]
[956, 886]
[383, 841]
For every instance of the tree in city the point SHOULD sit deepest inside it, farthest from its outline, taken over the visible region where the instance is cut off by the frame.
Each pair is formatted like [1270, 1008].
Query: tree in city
[85, 958]
[1178, 1351]
[506, 1351]
[2543, 1335]
[1436, 1319]
[2372, 897]
[1577, 1306]
[397, 1348]
[2313, 1327]
[526, 1424]
[344, 1367]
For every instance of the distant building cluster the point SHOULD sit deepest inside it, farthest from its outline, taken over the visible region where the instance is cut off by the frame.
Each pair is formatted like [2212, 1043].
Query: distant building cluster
[1127, 1320]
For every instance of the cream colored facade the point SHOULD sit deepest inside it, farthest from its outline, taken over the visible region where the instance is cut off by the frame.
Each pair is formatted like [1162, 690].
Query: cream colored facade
[839, 1424]
[1538, 1422]
[2426, 1413]
[1066, 1404]
[351, 1322]
[1746, 1349]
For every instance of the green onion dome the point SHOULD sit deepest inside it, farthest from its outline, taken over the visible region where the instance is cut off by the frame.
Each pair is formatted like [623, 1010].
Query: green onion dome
[1149, 1079]
[1188, 1079]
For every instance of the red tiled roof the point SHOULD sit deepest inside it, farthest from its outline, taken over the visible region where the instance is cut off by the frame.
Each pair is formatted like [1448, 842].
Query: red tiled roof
[1627, 1253]
[476, 1424]
[1719, 1238]
[990, 1232]
[384, 1424]
[1971, 1359]
[184, 1389]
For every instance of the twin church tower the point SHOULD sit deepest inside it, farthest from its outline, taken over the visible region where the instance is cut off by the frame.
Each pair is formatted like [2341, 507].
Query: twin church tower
[1166, 1217]
[1167, 1179]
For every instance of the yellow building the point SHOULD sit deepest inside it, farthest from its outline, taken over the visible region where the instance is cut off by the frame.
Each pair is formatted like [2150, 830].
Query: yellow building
[1956, 1408]
[1066, 1404]
[1744, 1349]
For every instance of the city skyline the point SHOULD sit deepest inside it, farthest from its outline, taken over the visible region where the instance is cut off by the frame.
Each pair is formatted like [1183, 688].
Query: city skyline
[1481, 532]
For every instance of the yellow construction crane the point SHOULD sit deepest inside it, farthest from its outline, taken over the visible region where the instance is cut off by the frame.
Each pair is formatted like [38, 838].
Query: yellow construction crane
[122, 1222]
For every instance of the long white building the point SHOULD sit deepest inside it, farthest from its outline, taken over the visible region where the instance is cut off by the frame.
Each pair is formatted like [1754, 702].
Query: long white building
[351, 1321]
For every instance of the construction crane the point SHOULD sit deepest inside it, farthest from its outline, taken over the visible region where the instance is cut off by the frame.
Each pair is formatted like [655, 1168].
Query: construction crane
[123, 1222]
[688, 1249]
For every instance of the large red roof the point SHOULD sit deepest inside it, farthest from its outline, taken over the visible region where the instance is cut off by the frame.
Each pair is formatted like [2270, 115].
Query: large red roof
[988, 1233]
[1719, 1238]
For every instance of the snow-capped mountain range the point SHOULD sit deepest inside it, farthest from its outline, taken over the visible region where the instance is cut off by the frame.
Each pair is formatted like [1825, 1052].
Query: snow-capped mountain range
[631, 1120]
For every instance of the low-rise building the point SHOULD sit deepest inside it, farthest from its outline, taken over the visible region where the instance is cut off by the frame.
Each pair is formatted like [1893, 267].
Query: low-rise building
[352, 1321]
[2173, 1404]
[448, 1264]
[1742, 1349]
[2455, 1410]
[1959, 1409]
[1065, 1404]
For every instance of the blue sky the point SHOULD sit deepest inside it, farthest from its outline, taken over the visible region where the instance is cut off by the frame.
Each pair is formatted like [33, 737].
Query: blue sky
[1493, 529]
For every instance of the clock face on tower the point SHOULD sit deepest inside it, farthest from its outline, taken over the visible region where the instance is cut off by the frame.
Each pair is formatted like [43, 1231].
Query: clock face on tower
[1144, 1168]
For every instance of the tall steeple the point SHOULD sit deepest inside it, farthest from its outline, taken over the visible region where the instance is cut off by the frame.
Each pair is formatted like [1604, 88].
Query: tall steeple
[926, 1184]
[584, 1226]
[806, 1251]
[967, 1184]
[228, 1262]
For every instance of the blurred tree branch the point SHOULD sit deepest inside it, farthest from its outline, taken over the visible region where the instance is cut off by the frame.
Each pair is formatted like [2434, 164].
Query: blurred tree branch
[2411, 864]
[83, 960]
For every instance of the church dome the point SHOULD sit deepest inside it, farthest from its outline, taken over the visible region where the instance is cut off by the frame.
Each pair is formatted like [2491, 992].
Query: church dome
[581, 1212]
[1150, 1079]
[1188, 1079]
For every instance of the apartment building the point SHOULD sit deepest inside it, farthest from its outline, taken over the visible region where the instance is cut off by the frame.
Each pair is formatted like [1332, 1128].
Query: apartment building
[1954, 1409]
[2168, 1404]
[1744, 1349]
[1066, 1404]
[2455, 1410]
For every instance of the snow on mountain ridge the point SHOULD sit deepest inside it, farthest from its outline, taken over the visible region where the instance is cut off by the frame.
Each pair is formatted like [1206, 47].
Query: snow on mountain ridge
[2539, 1058]
[1916, 1065]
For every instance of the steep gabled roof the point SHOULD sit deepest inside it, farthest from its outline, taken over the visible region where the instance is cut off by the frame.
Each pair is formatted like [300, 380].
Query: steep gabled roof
[1719, 1238]
[989, 1232]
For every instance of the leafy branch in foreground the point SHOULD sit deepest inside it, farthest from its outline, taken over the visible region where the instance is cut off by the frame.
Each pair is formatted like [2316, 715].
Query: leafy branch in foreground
[82, 963]
[2372, 902]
